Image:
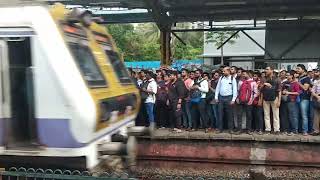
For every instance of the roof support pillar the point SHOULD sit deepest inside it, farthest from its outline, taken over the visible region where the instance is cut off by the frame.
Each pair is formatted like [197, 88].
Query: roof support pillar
[165, 37]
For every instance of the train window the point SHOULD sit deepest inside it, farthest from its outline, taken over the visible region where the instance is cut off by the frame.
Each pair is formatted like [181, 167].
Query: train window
[118, 67]
[87, 64]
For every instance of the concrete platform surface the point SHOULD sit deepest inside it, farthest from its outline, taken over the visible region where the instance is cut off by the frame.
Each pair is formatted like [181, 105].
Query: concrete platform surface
[201, 134]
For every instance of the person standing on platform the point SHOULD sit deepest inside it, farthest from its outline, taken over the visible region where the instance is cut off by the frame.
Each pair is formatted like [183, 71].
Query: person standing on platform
[161, 107]
[257, 105]
[283, 112]
[305, 84]
[186, 106]
[247, 93]
[271, 94]
[198, 94]
[213, 104]
[316, 102]
[291, 91]
[176, 94]
[142, 84]
[151, 91]
[226, 94]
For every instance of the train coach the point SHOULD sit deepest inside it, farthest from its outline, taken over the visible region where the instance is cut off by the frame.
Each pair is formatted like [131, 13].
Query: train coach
[65, 92]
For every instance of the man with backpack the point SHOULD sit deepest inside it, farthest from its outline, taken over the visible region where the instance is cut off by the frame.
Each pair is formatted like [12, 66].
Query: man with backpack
[248, 91]
[271, 95]
[176, 94]
[150, 91]
[226, 94]
[198, 93]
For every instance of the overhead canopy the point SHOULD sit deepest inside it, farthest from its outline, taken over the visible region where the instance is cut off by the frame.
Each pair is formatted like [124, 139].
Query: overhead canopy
[202, 10]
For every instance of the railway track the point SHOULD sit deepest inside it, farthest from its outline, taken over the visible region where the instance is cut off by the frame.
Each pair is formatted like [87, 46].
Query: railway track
[168, 168]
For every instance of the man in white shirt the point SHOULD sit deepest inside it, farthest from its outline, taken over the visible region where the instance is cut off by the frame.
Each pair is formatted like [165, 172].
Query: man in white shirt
[198, 109]
[151, 98]
[226, 94]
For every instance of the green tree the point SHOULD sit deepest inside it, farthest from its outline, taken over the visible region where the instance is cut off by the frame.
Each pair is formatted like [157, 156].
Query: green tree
[219, 37]
[142, 42]
[127, 40]
[193, 40]
[151, 51]
[148, 31]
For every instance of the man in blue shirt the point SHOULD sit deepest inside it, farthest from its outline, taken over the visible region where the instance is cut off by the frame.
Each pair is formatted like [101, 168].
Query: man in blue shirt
[305, 95]
[226, 94]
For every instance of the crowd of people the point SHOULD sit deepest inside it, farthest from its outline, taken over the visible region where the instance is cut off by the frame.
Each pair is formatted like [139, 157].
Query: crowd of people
[231, 99]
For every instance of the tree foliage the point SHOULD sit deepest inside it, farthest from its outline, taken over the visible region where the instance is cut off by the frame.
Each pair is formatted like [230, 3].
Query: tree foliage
[142, 42]
[219, 37]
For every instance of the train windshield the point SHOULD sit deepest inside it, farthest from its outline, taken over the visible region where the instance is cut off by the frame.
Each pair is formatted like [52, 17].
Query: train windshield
[117, 64]
[78, 44]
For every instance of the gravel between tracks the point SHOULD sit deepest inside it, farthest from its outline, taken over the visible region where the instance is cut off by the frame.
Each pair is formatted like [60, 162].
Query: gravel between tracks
[243, 173]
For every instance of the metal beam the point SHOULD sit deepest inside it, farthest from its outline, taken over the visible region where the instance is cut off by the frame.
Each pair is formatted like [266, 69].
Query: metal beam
[102, 3]
[228, 39]
[179, 38]
[291, 60]
[161, 18]
[125, 18]
[253, 40]
[219, 29]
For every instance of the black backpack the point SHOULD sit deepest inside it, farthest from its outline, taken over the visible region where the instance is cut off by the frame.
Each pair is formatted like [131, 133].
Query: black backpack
[144, 95]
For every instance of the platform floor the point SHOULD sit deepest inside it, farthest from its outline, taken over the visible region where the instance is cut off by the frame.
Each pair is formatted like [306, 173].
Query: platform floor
[169, 134]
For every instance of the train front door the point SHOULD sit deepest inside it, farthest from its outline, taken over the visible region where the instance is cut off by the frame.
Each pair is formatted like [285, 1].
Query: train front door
[5, 110]
[17, 92]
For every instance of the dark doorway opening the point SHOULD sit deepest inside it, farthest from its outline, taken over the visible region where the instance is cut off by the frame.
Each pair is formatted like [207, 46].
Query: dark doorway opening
[22, 130]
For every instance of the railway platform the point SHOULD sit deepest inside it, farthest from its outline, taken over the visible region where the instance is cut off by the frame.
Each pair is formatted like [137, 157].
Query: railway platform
[200, 151]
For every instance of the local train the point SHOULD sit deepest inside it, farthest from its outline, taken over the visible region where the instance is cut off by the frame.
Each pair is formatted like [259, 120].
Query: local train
[64, 89]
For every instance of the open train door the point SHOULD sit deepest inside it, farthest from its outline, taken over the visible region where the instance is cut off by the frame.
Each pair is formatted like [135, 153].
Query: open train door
[17, 92]
[5, 110]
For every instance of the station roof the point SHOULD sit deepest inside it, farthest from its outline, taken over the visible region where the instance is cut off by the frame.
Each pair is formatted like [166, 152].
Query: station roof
[200, 10]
